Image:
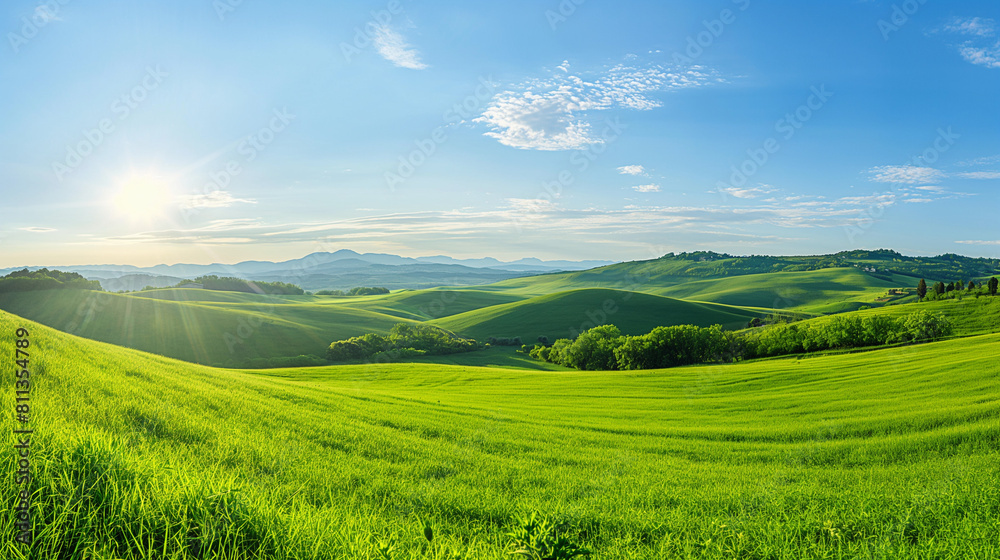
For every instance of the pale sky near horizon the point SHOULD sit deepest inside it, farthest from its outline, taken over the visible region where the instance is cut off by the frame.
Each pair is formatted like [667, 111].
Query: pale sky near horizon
[201, 131]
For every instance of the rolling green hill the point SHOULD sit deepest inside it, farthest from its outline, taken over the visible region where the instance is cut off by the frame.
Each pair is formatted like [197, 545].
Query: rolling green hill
[655, 275]
[220, 328]
[970, 315]
[565, 314]
[886, 454]
[430, 304]
[830, 290]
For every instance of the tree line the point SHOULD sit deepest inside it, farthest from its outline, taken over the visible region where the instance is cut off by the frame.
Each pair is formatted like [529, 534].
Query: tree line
[940, 290]
[404, 340]
[44, 279]
[605, 348]
[359, 291]
[231, 284]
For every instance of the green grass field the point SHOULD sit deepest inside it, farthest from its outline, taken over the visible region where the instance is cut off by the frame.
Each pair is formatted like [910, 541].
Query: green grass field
[885, 454]
[565, 314]
[210, 328]
[830, 290]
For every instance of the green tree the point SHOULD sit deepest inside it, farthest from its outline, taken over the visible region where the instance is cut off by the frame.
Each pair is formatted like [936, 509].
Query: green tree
[972, 286]
[992, 286]
[921, 289]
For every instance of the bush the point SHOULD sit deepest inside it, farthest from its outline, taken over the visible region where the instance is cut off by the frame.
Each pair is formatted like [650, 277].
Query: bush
[425, 339]
[503, 341]
[604, 348]
[231, 284]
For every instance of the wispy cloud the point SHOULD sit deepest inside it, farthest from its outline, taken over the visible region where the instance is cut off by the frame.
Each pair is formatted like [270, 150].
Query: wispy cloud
[980, 242]
[632, 170]
[988, 56]
[905, 174]
[646, 188]
[35, 229]
[214, 199]
[749, 192]
[978, 46]
[980, 27]
[394, 48]
[554, 113]
[981, 175]
[531, 205]
[987, 160]
[536, 221]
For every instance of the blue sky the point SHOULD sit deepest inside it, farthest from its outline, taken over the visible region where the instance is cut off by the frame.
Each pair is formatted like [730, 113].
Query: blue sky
[148, 132]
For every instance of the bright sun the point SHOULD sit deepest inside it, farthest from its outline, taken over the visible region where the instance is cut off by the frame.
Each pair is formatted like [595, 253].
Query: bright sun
[142, 198]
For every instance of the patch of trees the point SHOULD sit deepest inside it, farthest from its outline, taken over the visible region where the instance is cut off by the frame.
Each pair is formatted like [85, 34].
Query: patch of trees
[359, 291]
[405, 340]
[843, 332]
[605, 348]
[956, 290]
[504, 341]
[44, 279]
[230, 284]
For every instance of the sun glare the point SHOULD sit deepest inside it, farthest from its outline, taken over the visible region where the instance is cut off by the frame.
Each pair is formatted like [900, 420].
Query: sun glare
[142, 198]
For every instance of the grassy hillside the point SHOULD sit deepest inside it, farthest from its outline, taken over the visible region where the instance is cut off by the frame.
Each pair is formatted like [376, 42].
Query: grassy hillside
[830, 290]
[971, 315]
[565, 314]
[889, 454]
[218, 328]
[215, 296]
[671, 269]
[430, 304]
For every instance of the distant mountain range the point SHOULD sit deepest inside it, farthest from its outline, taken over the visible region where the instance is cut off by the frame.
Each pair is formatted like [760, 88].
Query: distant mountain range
[339, 270]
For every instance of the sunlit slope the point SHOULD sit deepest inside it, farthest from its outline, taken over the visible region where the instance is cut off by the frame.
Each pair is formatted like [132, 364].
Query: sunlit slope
[970, 315]
[429, 304]
[821, 291]
[829, 290]
[565, 314]
[216, 296]
[201, 332]
[888, 454]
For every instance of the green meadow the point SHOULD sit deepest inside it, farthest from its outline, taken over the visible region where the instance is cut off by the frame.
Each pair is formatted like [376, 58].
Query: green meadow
[885, 454]
[143, 449]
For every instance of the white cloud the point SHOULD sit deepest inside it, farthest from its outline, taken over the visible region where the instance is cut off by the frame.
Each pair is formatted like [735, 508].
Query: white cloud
[977, 48]
[905, 174]
[632, 170]
[394, 48]
[988, 160]
[646, 188]
[981, 175]
[35, 229]
[531, 205]
[554, 113]
[918, 200]
[988, 56]
[980, 27]
[214, 199]
[979, 242]
[749, 192]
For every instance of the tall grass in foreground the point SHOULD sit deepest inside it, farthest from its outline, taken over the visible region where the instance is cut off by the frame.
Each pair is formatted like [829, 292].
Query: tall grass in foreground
[889, 454]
